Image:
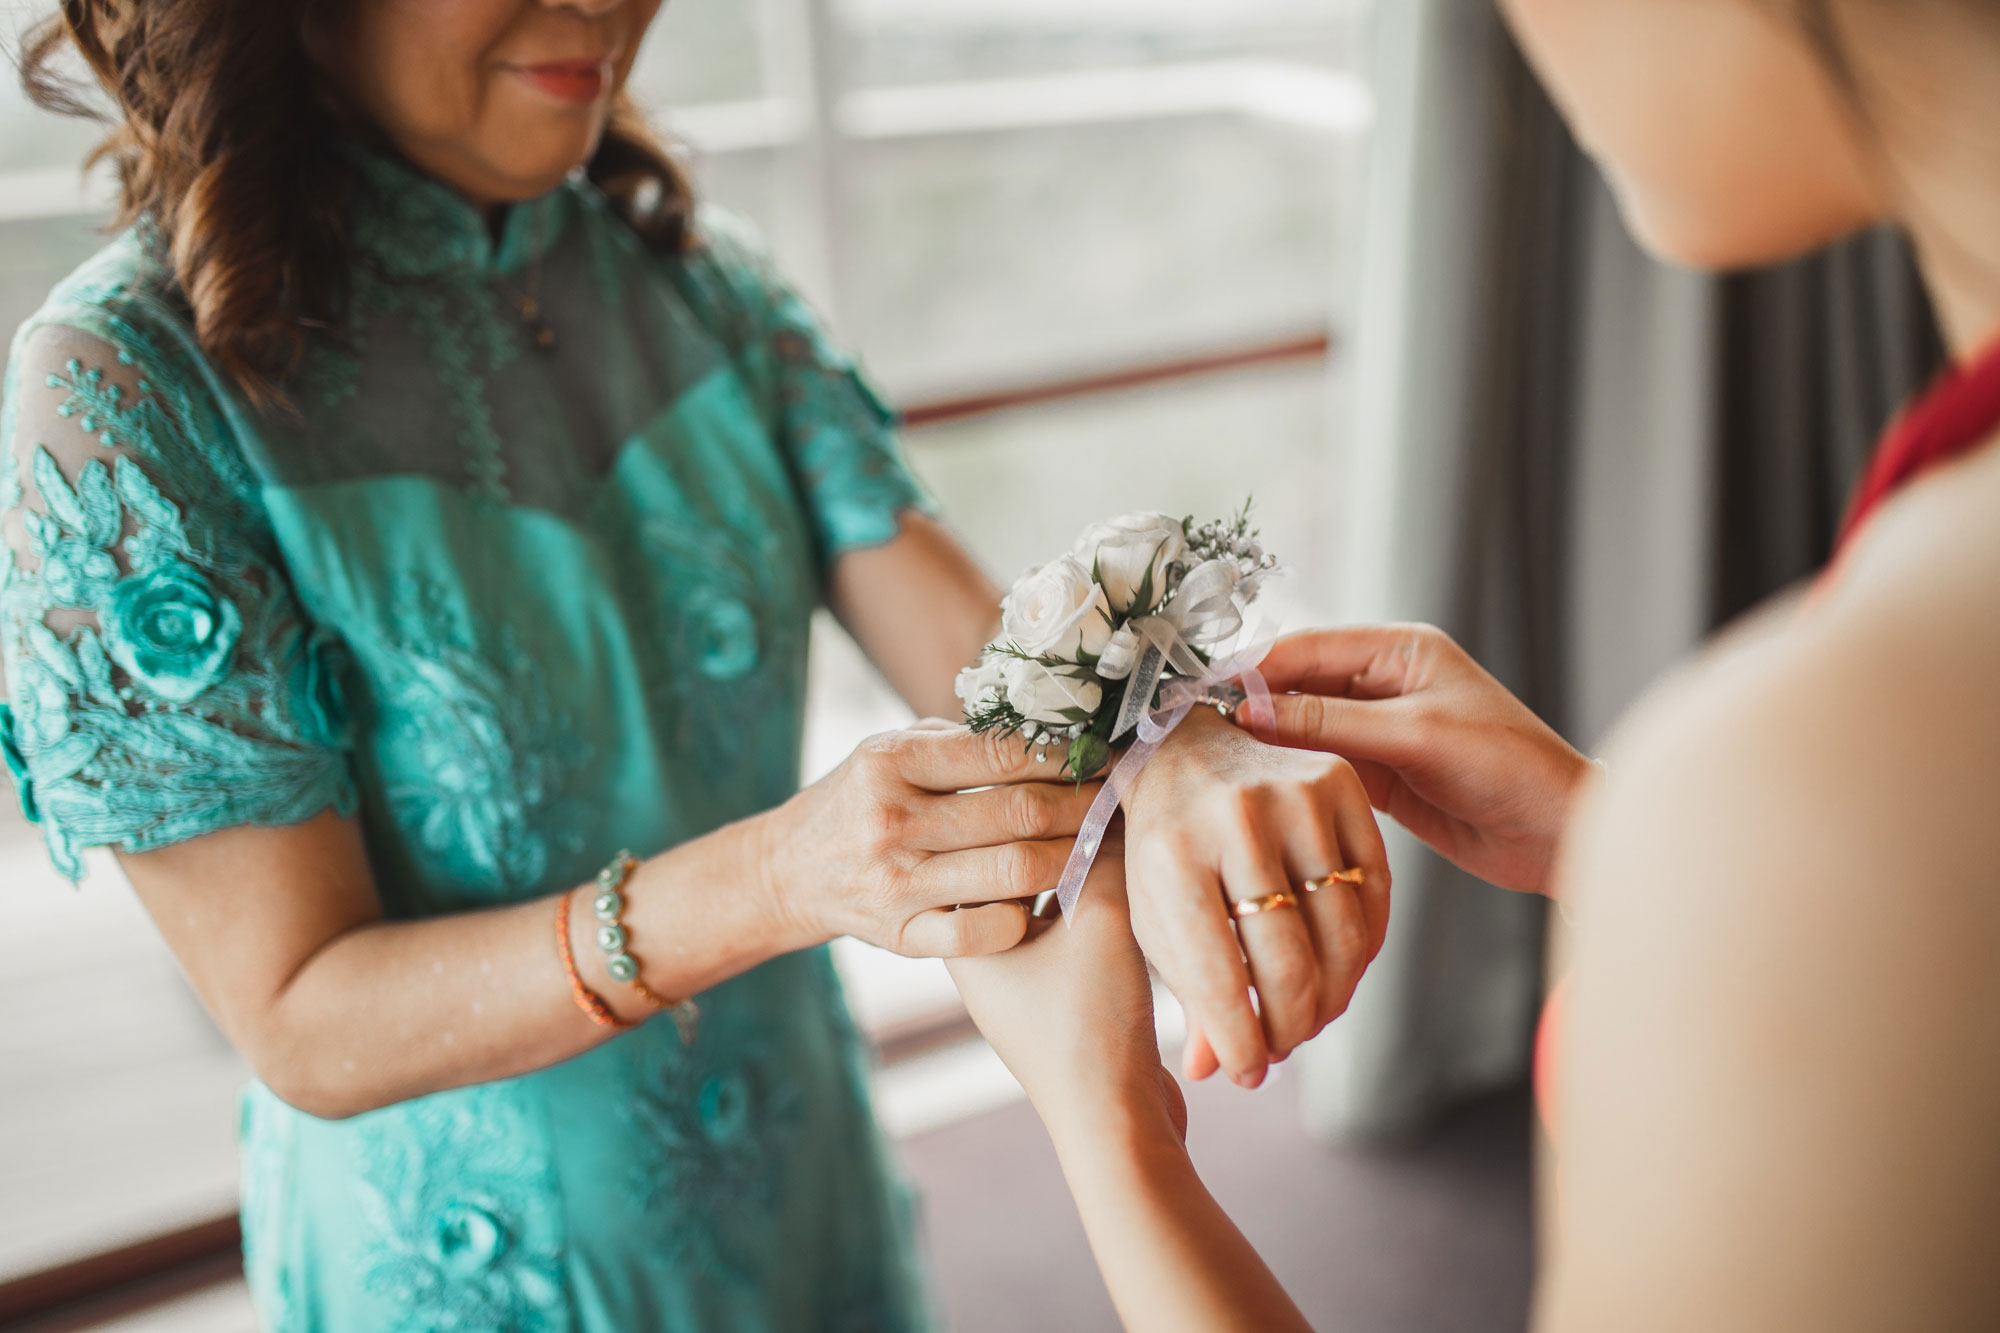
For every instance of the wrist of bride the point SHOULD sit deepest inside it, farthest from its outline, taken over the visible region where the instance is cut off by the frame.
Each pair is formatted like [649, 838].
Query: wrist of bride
[1095, 1116]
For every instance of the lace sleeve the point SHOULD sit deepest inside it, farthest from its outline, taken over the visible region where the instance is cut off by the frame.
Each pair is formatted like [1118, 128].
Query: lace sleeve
[838, 434]
[160, 681]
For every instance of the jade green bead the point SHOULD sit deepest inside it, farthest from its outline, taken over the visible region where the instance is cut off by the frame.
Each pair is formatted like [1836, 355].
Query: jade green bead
[608, 905]
[611, 938]
[622, 966]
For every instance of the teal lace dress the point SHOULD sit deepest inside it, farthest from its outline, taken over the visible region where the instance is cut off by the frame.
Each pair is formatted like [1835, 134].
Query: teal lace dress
[516, 608]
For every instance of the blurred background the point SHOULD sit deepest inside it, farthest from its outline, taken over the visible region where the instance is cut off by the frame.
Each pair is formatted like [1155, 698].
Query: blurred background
[1335, 255]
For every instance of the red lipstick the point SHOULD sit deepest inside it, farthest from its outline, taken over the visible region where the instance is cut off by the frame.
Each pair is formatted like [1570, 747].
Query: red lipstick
[568, 80]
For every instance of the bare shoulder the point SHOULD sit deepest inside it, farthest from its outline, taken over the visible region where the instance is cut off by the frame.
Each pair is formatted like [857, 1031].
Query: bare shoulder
[1783, 1072]
[1882, 695]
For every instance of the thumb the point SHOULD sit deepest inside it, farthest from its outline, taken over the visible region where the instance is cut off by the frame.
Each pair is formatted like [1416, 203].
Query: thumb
[964, 932]
[1377, 730]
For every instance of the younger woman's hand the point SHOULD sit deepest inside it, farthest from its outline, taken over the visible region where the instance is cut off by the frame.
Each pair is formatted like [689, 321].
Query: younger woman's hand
[1220, 818]
[1444, 749]
[895, 848]
[1070, 1012]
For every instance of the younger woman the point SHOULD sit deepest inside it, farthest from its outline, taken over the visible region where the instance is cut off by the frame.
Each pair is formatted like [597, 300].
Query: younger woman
[1780, 1081]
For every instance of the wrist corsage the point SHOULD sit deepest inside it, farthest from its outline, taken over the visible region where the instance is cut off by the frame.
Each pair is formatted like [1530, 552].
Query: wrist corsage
[1114, 642]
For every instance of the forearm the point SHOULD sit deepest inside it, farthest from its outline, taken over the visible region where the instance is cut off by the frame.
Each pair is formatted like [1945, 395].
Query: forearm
[1170, 1256]
[921, 608]
[387, 1011]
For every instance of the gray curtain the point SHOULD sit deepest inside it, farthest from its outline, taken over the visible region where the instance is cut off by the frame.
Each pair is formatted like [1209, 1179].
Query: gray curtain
[1574, 459]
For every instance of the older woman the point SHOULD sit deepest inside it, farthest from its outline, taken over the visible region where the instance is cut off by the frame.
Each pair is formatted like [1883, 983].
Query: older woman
[403, 522]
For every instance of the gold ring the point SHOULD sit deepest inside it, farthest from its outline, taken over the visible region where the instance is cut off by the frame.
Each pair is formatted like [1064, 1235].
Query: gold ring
[1354, 876]
[1270, 902]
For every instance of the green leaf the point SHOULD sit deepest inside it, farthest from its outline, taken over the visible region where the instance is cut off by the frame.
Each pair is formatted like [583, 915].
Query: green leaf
[151, 508]
[101, 515]
[96, 669]
[57, 497]
[50, 652]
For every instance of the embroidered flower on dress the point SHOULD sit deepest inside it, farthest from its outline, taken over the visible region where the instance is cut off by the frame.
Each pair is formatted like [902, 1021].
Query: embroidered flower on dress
[170, 632]
[75, 572]
[464, 1220]
[319, 692]
[724, 637]
[717, 1140]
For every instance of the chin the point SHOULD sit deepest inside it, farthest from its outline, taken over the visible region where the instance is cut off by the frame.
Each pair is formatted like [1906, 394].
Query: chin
[1720, 240]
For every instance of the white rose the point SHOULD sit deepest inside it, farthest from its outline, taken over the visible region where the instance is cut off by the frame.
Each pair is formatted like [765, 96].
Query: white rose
[1205, 609]
[1057, 698]
[1132, 553]
[979, 687]
[1120, 655]
[1057, 610]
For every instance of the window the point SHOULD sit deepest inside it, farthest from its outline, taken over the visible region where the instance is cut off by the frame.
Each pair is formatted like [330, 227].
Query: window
[991, 198]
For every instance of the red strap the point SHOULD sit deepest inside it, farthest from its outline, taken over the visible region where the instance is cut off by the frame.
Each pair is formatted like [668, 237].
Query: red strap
[1960, 412]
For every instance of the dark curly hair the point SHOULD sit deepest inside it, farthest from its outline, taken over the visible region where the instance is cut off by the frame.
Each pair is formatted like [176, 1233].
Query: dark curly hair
[224, 133]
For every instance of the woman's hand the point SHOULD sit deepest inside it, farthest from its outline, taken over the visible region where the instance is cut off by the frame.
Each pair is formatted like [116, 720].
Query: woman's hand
[1070, 1012]
[1443, 748]
[894, 848]
[1218, 818]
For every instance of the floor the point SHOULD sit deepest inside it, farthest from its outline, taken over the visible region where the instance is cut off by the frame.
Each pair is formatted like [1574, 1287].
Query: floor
[1431, 1239]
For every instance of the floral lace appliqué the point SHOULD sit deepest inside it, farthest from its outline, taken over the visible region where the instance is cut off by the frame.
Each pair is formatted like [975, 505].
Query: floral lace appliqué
[152, 724]
[489, 794]
[464, 1221]
[714, 1157]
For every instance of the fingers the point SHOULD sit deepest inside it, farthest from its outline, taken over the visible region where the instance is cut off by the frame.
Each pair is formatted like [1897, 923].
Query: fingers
[944, 932]
[1197, 1056]
[994, 874]
[1362, 661]
[1360, 843]
[1277, 942]
[956, 759]
[1383, 731]
[1182, 923]
[1015, 812]
[1346, 921]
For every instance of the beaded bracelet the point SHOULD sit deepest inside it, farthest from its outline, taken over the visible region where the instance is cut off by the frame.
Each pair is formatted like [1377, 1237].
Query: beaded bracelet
[609, 908]
[588, 1000]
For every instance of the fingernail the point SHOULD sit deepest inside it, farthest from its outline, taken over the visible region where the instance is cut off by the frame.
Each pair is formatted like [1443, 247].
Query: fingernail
[1249, 1078]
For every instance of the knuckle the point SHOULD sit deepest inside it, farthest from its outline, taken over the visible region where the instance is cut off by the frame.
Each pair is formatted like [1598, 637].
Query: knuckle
[881, 754]
[1029, 811]
[889, 823]
[1176, 848]
[1019, 869]
[992, 751]
[1243, 808]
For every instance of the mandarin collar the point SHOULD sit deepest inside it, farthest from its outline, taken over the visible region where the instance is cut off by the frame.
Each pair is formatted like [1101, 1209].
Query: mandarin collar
[406, 223]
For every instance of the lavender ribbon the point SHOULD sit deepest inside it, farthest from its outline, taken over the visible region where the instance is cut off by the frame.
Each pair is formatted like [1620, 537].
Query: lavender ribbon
[1196, 682]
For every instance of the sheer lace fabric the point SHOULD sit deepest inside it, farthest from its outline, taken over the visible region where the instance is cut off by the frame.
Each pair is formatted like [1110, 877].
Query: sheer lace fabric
[163, 682]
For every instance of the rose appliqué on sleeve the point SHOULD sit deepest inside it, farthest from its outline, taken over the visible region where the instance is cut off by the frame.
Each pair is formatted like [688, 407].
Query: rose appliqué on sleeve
[160, 686]
[170, 632]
